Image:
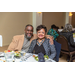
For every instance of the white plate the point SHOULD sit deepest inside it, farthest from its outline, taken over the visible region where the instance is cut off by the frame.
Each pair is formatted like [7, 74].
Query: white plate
[31, 59]
[2, 59]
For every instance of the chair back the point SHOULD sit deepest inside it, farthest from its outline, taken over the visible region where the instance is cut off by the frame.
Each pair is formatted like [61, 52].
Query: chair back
[63, 41]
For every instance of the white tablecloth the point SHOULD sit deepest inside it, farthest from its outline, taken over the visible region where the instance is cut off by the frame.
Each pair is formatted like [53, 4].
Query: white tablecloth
[29, 59]
[60, 30]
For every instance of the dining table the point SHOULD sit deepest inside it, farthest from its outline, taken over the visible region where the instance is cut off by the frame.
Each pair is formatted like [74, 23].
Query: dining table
[28, 58]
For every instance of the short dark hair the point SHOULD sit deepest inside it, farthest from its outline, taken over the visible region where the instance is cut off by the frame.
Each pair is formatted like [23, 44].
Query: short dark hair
[41, 27]
[53, 26]
[28, 25]
[62, 27]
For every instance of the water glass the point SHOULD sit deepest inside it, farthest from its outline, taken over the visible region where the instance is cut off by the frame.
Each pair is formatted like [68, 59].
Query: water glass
[9, 56]
[23, 55]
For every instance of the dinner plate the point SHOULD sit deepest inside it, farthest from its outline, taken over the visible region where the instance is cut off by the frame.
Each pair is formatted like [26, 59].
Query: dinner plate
[2, 60]
[32, 59]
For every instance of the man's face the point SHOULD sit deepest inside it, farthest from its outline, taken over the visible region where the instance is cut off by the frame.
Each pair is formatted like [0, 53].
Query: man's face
[29, 32]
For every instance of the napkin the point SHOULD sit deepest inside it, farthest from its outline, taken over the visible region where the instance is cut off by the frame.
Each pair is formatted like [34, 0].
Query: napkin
[41, 57]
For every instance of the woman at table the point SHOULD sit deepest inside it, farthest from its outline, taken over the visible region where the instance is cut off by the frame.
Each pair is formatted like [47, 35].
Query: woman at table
[53, 31]
[68, 34]
[41, 44]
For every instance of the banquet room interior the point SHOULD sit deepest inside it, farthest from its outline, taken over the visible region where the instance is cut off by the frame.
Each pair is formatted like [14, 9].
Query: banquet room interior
[13, 23]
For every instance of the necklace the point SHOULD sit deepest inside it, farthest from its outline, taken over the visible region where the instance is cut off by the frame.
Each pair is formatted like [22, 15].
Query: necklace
[39, 44]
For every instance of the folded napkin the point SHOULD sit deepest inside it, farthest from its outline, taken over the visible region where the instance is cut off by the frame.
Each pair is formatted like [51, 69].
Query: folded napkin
[41, 57]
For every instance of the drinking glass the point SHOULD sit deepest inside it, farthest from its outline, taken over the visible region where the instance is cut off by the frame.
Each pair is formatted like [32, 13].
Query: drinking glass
[23, 55]
[9, 56]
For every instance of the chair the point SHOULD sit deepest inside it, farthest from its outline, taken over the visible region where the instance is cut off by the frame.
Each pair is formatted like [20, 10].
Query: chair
[64, 46]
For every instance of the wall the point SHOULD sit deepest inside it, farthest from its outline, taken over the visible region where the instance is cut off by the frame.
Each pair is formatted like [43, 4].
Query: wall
[34, 22]
[37, 20]
[66, 17]
[13, 23]
[73, 19]
[57, 18]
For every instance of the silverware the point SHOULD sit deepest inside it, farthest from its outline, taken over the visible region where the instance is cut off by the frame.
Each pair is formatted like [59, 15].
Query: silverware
[26, 57]
[1, 55]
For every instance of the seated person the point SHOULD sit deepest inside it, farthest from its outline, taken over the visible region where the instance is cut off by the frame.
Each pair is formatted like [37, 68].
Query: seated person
[53, 32]
[62, 27]
[22, 42]
[67, 33]
[57, 29]
[69, 36]
[41, 44]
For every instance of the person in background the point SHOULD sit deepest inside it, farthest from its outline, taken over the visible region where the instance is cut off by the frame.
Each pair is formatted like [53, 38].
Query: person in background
[62, 27]
[41, 44]
[57, 29]
[22, 42]
[53, 32]
[67, 33]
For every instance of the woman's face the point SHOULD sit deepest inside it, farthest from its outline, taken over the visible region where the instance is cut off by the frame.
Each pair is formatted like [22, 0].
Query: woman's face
[41, 34]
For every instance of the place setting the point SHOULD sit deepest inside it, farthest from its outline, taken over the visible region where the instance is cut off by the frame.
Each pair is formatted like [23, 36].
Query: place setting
[14, 56]
[22, 56]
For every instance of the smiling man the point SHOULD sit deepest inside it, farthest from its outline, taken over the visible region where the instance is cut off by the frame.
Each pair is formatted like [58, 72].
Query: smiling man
[22, 42]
